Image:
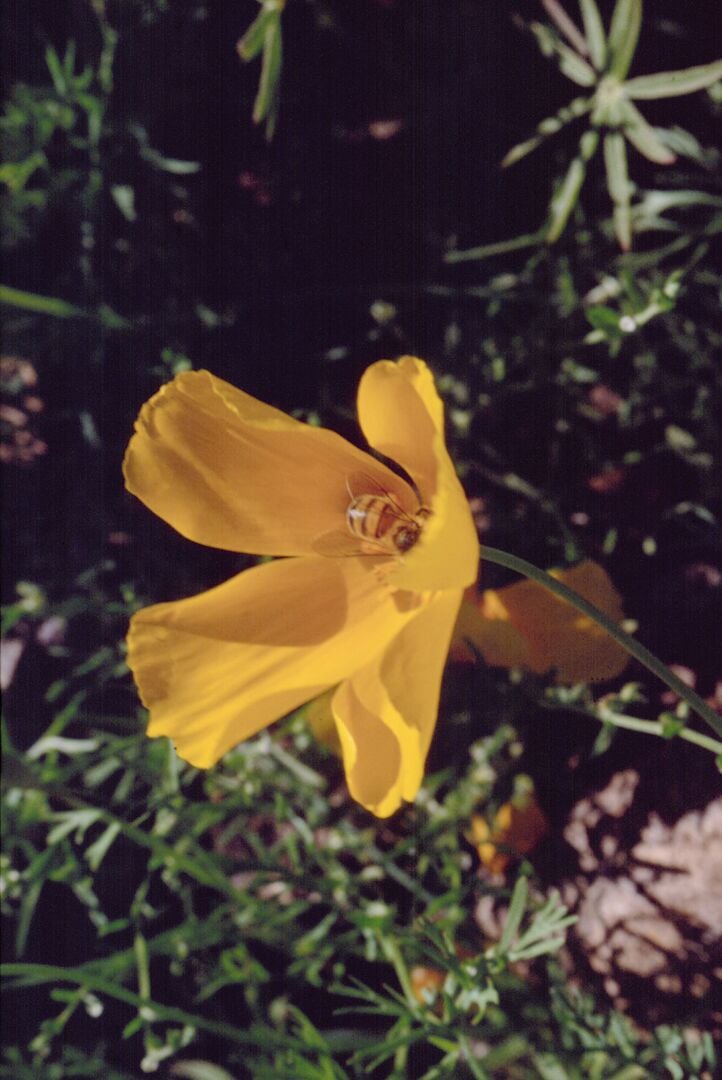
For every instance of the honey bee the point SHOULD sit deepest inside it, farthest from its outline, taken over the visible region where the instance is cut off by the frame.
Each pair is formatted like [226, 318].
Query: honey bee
[377, 524]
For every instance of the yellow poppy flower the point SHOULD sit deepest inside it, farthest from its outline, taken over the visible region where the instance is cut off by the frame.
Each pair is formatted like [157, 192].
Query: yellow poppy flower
[525, 625]
[228, 471]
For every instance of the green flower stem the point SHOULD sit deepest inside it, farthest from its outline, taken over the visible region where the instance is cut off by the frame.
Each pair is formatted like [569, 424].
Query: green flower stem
[630, 644]
[636, 723]
[654, 727]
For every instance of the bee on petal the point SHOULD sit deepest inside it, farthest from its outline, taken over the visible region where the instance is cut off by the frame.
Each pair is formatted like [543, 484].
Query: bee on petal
[376, 522]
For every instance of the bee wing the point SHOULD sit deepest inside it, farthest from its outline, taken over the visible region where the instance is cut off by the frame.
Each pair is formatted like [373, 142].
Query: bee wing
[362, 483]
[337, 543]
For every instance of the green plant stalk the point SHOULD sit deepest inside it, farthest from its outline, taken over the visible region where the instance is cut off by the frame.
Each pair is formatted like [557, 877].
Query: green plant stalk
[636, 723]
[632, 646]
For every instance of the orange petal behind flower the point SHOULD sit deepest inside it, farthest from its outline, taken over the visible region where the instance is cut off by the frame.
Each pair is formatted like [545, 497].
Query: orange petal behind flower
[525, 625]
[484, 625]
[518, 827]
[426, 982]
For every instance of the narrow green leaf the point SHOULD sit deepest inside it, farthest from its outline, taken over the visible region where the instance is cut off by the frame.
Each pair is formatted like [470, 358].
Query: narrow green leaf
[57, 74]
[266, 103]
[252, 42]
[99, 848]
[643, 136]
[549, 126]
[684, 144]
[510, 158]
[170, 165]
[69, 61]
[486, 251]
[594, 33]
[570, 62]
[658, 202]
[540, 948]
[566, 25]
[549, 1067]
[124, 198]
[37, 874]
[574, 67]
[517, 907]
[615, 160]
[603, 318]
[623, 35]
[566, 196]
[42, 305]
[94, 111]
[142, 964]
[673, 83]
[200, 1070]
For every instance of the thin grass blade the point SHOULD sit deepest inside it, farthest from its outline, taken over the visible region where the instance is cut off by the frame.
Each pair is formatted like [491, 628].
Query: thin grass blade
[566, 26]
[517, 906]
[251, 44]
[570, 62]
[567, 194]
[266, 103]
[623, 35]
[42, 305]
[549, 126]
[594, 33]
[673, 83]
[503, 247]
[615, 160]
[644, 138]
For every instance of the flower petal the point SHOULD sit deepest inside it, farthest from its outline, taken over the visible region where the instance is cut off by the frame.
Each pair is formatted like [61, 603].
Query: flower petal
[547, 633]
[228, 471]
[402, 416]
[386, 712]
[519, 826]
[483, 622]
[216, 668]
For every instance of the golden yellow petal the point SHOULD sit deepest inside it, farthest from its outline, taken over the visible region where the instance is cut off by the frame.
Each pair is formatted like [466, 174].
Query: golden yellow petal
[228, 471]
[401, 415]
[216, 668]
[558, 637]
[386, 712]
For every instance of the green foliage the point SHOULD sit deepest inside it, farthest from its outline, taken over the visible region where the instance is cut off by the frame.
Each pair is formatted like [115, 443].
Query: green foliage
[599, 63]
[310, 890]
[264, 37]
[251, 921]
[71, 110]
